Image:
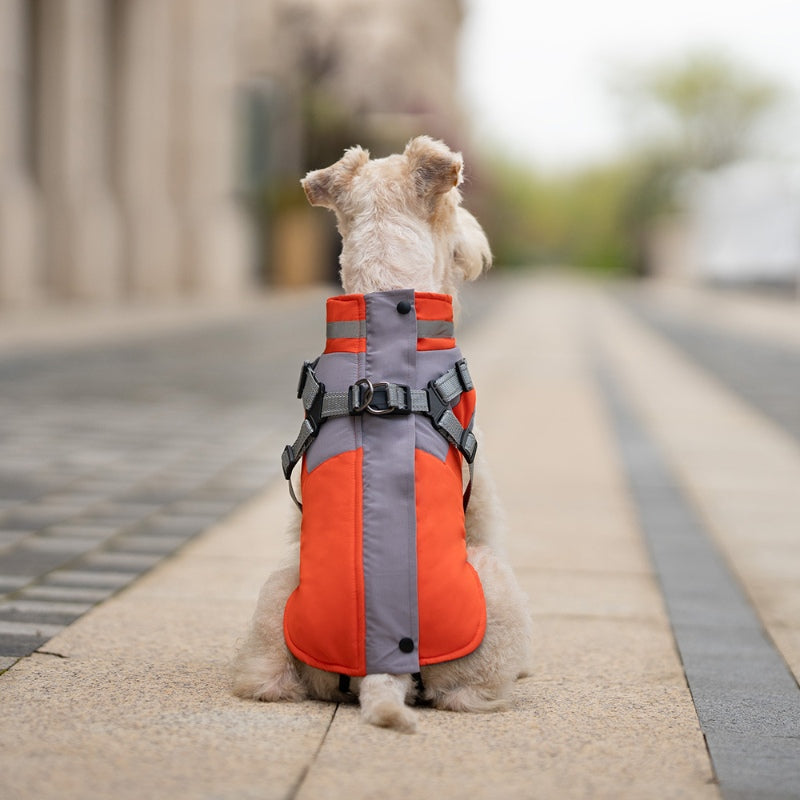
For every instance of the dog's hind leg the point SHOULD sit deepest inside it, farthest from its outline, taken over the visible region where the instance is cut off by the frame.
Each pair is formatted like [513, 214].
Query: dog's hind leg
[264, 669]
[482, 681]
[382, 699]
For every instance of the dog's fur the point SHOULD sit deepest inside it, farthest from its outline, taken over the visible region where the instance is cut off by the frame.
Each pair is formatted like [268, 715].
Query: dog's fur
[402, 227]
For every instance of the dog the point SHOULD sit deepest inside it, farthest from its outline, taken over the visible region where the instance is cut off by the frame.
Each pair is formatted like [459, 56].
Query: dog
[402, 227]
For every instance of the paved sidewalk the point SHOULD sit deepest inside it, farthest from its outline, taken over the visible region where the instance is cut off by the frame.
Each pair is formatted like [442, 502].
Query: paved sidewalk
[131, 700]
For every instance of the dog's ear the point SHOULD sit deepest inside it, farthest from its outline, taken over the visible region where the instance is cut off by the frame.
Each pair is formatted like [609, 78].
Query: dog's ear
[324, 187]
[471, 252]
[434, 167]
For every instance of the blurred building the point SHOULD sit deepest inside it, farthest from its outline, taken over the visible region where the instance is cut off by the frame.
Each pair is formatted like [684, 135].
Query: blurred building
[738, 225]
[744, 224]
[323, 75]
[152, 148]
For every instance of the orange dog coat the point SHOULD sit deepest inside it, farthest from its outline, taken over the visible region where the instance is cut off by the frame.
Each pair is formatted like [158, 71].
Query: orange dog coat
[385, 586]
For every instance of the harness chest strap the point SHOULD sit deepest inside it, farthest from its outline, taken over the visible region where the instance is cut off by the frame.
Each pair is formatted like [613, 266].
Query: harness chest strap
[436, 401]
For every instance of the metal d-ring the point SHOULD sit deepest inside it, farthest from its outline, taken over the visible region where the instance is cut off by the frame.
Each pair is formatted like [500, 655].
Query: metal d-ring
[369, 391]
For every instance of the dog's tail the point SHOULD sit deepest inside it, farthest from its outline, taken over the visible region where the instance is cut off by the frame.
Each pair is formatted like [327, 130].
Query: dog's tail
[383, 702]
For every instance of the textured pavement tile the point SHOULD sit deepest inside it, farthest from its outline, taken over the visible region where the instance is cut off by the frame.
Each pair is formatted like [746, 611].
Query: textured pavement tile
[25, 561]
[10, 583]
[9, 538]
[200, 507]
[33, 517]
[67, 594]
[169, 525]
[128, 562]
[93, 529]
[15, 486]
[32, 629]
[70, 499]
[60, 544]
[18, 645]
[139, 543]
[122, 512]
[33, 608]
[89, 578]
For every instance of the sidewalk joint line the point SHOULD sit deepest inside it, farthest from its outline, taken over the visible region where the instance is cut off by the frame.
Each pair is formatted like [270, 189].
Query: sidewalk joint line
[295, 790]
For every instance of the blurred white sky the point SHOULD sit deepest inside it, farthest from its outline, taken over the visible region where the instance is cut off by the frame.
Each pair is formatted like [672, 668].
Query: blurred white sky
[536, 74]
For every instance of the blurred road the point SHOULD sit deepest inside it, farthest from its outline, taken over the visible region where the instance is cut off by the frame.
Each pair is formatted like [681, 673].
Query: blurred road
[645, 443]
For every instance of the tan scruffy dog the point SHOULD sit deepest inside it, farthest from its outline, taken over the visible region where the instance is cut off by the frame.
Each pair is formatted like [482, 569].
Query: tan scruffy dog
[402, 227]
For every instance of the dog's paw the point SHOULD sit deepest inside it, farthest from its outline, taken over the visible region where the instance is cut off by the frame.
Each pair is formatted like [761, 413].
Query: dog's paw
[387, 714]
[276, 690]
[467, 698]
[253, 682]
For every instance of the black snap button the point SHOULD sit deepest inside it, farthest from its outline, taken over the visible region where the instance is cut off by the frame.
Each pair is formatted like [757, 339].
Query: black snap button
[403, 307]
[406, 645]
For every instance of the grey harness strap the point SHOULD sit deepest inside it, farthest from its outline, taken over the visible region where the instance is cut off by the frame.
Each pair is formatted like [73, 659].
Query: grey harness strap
[436, 402]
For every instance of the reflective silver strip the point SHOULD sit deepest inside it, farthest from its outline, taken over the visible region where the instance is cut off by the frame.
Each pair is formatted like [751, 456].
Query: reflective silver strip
[435, 329]
[352, 329]
[357, 329]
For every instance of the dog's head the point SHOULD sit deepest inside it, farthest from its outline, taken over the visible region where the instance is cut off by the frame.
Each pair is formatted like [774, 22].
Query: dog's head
[400, 219]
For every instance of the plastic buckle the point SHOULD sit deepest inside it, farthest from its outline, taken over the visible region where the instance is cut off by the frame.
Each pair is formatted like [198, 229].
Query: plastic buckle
[437, 407]
[314, 414]
[468, 446]
[288, 461]
[380, 395]
[464, 378]
[301, 383]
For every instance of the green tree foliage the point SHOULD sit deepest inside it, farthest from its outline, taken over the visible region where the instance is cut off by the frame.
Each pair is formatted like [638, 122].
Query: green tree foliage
[697, 112]
[709, 105]
[536, 219]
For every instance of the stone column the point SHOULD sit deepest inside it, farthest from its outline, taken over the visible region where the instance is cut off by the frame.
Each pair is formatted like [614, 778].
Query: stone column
[20, 256]
[152, 268]
[216, 249]
[83, 243]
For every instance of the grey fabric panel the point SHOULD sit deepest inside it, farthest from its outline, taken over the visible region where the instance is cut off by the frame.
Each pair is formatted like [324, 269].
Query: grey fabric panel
[337, 371]
[434, 329]
[355, 329]
[430, 365]
[389, 530]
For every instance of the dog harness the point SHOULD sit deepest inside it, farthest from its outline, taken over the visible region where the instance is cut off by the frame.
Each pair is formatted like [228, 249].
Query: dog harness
[385, 586]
